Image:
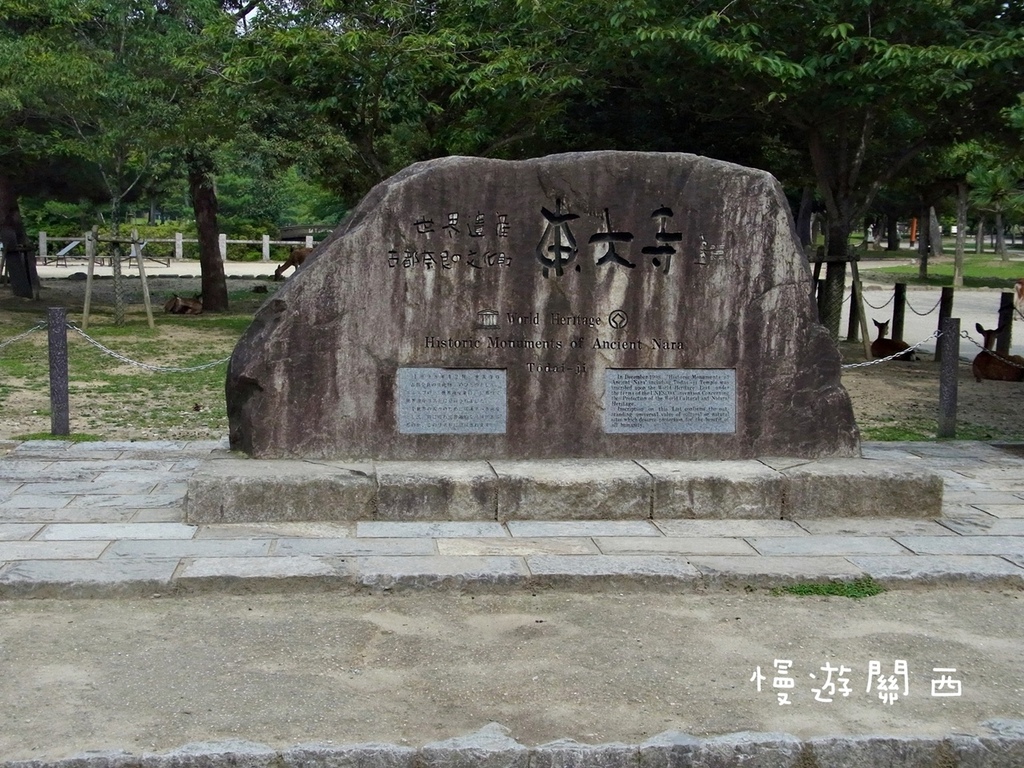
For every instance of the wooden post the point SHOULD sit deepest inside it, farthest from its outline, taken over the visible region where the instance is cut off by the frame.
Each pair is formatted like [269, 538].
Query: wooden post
[90, 256]
[42, 247]
[137, 253]
[899, 310]
[222, 244]
[858, 297]
[1005, 338]
[57, 318]
[853, 325]
[945, 312]
[179, 247]
[949, 344]
[266, 247]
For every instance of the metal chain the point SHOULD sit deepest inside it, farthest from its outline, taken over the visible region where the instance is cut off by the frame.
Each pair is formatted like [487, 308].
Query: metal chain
[147, 366]
[33, 329]
[925, 314]
[994, 354]
[881, 307]
[901, 353]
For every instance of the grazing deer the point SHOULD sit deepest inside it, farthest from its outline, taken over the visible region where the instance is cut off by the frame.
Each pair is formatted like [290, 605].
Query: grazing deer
[883, 347]
[295, 259]
[994, 366]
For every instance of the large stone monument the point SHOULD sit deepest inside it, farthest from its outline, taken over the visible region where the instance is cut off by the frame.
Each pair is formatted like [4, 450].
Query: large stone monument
[599, 305]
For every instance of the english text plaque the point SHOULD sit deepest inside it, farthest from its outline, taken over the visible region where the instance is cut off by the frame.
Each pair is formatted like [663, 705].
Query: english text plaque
[670, 401]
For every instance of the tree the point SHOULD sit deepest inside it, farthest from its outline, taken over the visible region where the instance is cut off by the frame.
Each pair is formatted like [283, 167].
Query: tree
[863, 88]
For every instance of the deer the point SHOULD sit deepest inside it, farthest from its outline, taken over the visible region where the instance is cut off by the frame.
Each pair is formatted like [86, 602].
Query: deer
[178, 305]
[1018, 301]
[994, 366]
[883, 347]
[295, 259]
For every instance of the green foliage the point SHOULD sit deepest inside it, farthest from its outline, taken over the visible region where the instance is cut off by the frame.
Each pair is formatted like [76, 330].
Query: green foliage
[857, 589]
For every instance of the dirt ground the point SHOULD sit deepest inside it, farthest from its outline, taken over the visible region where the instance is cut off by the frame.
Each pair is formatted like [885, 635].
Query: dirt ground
[901, 396]
[153, 674]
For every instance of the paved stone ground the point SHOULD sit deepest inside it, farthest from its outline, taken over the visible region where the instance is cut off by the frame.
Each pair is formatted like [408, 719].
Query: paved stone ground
[96, 519]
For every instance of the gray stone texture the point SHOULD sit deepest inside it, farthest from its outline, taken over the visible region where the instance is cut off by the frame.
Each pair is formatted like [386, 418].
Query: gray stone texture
[488, 264]
[434, 490]
[566, 753]
[567, 489]
[354, 756]
[239, 490]
[721, 489]
[862, 488]
[490, 747]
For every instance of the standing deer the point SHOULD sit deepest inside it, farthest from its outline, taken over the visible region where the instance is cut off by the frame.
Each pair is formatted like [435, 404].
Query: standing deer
[994, 366]
[883, 347]
[295, 259]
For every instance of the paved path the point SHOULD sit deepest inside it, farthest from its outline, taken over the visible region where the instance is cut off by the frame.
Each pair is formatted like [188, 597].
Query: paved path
[95, 519]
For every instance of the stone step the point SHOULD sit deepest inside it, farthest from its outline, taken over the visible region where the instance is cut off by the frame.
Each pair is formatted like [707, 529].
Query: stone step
[229, 489]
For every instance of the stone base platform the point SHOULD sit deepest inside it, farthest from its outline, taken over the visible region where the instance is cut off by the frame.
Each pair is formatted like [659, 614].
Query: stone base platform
[228, 488]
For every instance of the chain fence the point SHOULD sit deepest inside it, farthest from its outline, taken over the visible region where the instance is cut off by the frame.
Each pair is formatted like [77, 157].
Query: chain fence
[923, 314]
[20, 336]
[900, 354]
[148, 366]
[883, 306]
[117, 355]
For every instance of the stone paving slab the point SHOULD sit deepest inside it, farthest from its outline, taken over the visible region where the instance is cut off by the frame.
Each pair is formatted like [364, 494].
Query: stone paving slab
[86, 578]
[1002, 510]
[440, 571]
[518, 547]
[825, 545]
[51, 550]
[83, 531]
[492, 747]
[674, 545]
[934, 569]
[435, 530]
[179, 548]
[62, 532]
[18, 531]
[729, 527]
[887, 526]
[352, 547]
[963, 545]
[773, 571]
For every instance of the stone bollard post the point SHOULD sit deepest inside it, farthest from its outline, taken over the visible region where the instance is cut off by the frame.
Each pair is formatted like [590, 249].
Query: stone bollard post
[57, 318]
[949, 344]
[1005, 338]
[945, 312]
[899, 311]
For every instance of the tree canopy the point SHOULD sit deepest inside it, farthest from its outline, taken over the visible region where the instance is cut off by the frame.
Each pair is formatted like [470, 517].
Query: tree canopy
[852, 97]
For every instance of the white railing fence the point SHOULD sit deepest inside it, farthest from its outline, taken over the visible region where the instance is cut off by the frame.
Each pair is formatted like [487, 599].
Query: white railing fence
[179, 240]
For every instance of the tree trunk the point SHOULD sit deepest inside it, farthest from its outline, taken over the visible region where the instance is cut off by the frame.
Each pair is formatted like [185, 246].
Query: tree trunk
[961, 234]
[20, 260]
[803, 219]
[979, 235]
[934, 232]
[923, 243]
[204, 205]
[1001, 238]
[835, 275]
[892, 232]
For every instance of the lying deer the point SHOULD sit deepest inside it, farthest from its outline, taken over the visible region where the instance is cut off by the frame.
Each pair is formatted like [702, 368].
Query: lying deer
[994, 366]
[178, 305]
[883, 347]
[295, 259]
